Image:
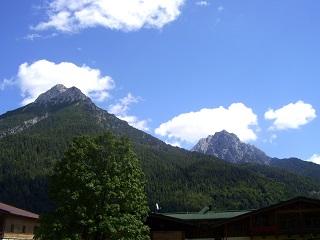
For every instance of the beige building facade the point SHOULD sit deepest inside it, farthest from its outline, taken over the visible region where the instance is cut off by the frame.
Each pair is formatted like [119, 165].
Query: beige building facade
[16, 224]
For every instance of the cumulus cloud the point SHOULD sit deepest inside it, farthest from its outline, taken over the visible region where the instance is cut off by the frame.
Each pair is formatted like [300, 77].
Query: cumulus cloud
[125, 15]
[121, 108]
[36, 78]
[315, 158]
[191, 127]
[291, 116]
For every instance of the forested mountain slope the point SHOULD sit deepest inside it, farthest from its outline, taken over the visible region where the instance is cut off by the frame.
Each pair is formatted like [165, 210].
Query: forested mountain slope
[296, 165]
[228, 146]
[34, 137]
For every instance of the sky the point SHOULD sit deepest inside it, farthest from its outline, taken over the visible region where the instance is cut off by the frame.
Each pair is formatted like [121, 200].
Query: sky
[179, 70]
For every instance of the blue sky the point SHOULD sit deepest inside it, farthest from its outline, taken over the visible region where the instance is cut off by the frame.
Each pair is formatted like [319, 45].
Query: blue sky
[180, 70]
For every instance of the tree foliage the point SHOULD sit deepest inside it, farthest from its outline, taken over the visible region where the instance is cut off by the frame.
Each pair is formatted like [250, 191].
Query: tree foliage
[177, 179]
[99, 189]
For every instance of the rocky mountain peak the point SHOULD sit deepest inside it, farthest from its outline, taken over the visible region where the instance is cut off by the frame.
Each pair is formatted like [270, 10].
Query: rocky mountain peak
[60, 94]
[57, 97]
[52, 100]
[228, 146]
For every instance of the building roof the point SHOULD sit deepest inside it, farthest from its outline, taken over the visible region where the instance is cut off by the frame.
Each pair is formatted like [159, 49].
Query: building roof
[7, 209]
[273, 206]
[170, 219]
[226, 216]
[207, 215]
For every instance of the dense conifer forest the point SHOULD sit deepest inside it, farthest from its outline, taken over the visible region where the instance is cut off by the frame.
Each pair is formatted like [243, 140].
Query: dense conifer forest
[177, 179]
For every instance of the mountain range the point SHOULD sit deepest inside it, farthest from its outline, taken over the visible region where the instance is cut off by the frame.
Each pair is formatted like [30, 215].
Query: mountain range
[228, 146]
[34, 137]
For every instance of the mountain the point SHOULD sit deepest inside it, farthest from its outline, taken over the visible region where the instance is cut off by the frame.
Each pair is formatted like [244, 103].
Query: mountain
[34, 137]
[228, 146]
[61, 94]
[296, 165]
[60, 107]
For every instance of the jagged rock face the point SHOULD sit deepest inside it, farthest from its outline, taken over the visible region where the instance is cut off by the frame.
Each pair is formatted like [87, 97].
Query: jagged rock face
[24, 125]
[229, 147]
[61, 94]
[58, 95]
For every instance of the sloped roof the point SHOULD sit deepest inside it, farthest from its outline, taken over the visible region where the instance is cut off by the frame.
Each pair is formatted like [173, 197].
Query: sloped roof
[270, 207]
[227, 216]
[171, 219]
[7, 209]
[212, 215]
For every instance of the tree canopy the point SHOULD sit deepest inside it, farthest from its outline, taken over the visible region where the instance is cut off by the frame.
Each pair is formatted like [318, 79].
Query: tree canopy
[99, 189]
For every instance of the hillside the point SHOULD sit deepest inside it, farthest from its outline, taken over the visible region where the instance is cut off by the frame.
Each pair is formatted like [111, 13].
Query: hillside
[228, 146]
[34, 137]
[296, 165]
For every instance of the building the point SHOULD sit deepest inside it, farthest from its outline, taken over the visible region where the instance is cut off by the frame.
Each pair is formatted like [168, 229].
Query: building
[295, 219]
[16, 223]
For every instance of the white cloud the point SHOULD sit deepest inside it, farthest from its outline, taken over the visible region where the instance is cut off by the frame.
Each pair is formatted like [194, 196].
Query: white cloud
[35, 36]
[191, 127]
[6, 83]
[272, 138]
[315, 158]
[36, 78]
[202, 3]
[291, 116]
[175, 143]
[125, 15]
[121, 108]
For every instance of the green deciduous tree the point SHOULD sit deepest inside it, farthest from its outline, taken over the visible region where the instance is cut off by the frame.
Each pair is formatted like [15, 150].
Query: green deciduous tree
[99, 188]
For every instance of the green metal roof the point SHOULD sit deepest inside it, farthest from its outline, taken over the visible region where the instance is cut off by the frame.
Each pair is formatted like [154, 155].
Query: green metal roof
[204, 215]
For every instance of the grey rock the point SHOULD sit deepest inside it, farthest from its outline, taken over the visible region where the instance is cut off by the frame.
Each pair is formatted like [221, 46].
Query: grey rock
[24, 125]
[61, 94]
[228, 146]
